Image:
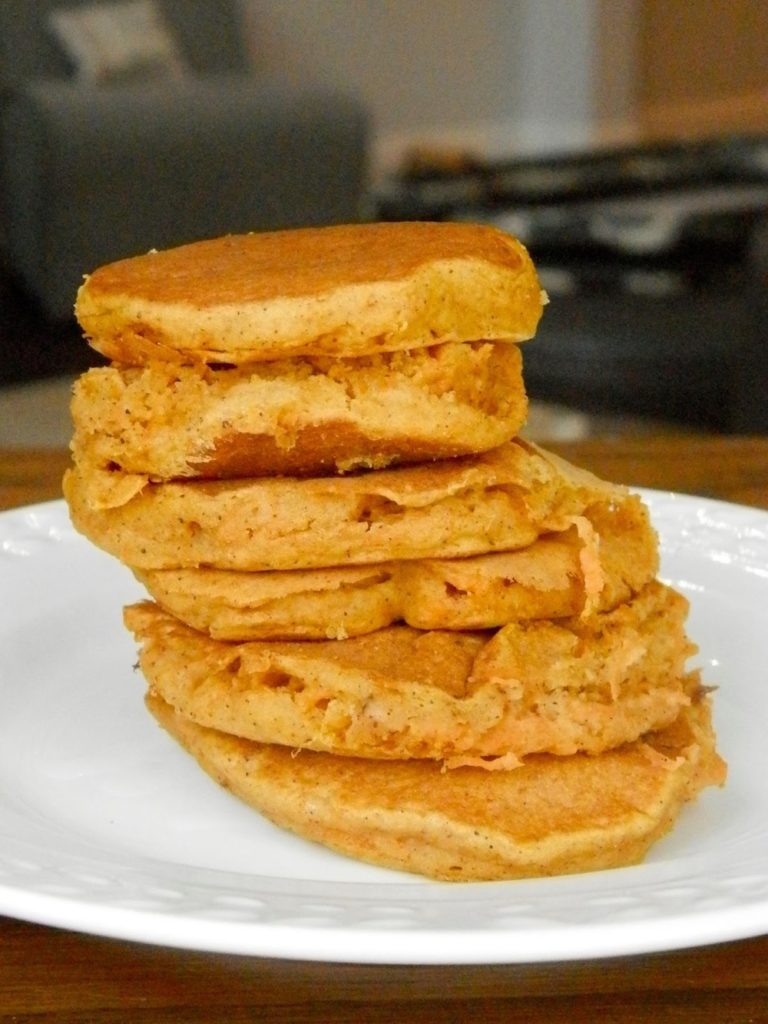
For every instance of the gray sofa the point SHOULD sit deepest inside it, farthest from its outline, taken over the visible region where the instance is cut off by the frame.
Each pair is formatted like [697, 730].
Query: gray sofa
[90, 173]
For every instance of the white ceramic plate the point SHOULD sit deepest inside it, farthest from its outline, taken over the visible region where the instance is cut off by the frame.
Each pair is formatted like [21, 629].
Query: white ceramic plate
[107, 827]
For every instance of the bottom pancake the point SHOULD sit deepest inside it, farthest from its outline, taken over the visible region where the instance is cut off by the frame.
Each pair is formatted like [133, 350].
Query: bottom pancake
[553, 815]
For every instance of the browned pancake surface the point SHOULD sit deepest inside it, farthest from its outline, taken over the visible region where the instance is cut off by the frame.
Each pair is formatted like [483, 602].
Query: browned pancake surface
[258, 267]
[550, 816]
[344, 291]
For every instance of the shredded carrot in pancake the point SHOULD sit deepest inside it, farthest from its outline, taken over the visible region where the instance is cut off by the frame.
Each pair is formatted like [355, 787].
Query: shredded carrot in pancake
[656, 757]
[589, 560]
[502, 763]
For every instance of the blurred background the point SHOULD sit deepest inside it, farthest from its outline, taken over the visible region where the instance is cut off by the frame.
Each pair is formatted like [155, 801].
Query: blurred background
[625, 141]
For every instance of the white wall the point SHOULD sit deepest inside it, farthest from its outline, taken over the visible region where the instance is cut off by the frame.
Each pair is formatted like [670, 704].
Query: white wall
[496, 76]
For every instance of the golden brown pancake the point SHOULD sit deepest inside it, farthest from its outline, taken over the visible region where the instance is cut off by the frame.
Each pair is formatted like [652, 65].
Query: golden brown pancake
[496, 501]
[553, 815]
[461, 697]
[336, 291]
[602, 560]
[301, 416]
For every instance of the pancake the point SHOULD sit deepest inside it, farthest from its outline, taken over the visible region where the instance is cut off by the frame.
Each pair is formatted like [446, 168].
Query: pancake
[299, 417]
[303, 604]
[550, 816]
[497, 501]
[460, 697]
[348, 290]
[609, 555]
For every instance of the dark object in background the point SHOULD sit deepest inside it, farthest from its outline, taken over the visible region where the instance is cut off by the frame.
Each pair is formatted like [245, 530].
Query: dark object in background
[31, 347]
[655, 259]
[91, 173]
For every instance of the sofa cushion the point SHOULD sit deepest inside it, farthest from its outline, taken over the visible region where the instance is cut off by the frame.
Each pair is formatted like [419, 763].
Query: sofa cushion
[108, 42]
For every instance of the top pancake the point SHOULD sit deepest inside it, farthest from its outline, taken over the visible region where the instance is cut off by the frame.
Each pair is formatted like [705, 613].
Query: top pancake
[342, 291]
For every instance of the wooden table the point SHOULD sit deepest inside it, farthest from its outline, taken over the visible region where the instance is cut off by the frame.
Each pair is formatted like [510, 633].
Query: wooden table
[52, 975]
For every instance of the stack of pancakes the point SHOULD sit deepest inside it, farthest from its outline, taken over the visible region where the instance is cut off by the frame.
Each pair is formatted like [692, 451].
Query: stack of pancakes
[378, 615]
